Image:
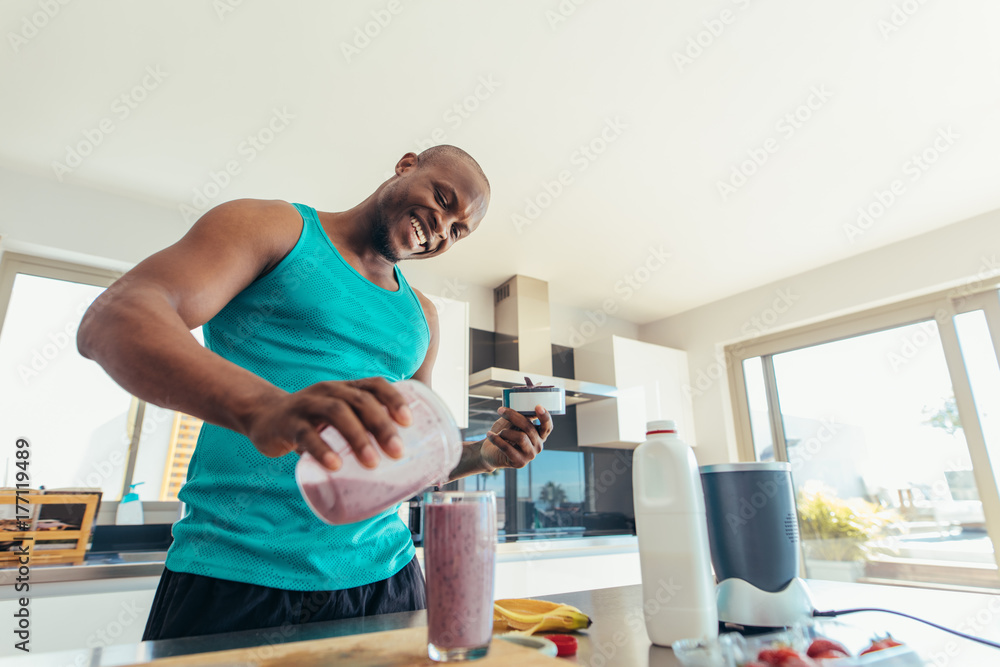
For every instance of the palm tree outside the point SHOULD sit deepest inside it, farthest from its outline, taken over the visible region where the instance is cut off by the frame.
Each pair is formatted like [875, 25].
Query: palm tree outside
[553, 494]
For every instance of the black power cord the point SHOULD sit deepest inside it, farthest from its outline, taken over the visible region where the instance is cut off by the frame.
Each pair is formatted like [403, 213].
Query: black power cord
[841, 612]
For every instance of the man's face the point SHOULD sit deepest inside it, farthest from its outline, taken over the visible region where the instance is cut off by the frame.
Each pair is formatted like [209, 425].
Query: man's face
[427, 209]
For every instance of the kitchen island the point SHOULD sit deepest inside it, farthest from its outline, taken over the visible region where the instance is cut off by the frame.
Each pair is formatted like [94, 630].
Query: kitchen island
[617, 636]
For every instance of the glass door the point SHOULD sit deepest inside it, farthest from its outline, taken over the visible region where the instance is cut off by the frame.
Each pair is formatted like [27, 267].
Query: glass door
[880, 461]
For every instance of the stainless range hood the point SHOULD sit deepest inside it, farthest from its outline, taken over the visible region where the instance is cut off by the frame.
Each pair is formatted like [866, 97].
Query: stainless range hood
[521, 310]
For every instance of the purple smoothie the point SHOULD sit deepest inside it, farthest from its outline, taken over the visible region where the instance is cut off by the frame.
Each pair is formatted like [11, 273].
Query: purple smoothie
[459, 555]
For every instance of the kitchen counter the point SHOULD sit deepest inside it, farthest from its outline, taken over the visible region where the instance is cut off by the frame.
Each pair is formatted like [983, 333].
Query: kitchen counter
[111, 566]
[617, 637]
[150, 564]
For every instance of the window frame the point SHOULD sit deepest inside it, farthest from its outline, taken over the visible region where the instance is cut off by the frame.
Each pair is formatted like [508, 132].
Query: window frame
[941, 307]
[12, 263]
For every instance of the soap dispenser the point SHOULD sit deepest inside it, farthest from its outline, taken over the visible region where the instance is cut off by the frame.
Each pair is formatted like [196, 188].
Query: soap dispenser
[130, 508]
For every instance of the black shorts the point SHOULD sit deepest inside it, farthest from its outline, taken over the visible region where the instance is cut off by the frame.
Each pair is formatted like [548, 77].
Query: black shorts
[190, 604]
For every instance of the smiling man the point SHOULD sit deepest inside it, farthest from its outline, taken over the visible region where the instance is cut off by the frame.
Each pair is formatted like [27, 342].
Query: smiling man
[307, 321]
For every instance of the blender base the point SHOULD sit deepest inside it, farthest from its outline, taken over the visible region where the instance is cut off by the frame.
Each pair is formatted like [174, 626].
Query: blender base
[742, 603]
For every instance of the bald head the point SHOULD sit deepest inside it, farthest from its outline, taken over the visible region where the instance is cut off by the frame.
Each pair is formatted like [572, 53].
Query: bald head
[447, 155]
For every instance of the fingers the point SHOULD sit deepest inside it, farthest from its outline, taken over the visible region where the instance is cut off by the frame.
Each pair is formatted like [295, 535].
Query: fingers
[359, 415]
[506, 451]
[388, 396]
[310, 441]
[545, 425]
[522, 423]
[366, 414]
[375, 421]
[523, 442]
[359, 436]
[515, 445]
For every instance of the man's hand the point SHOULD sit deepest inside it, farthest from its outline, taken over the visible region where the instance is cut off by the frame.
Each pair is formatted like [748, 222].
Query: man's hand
[355, 408]
[514, 441]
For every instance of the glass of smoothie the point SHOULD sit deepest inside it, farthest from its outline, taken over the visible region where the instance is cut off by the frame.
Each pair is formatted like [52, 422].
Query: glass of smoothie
[460, 535]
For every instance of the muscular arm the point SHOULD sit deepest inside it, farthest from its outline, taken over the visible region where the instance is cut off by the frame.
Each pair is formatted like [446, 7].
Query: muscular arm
[139, 331]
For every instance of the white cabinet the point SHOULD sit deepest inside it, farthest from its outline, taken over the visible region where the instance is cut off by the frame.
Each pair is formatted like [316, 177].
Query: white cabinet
[450, 376]
[650, 380]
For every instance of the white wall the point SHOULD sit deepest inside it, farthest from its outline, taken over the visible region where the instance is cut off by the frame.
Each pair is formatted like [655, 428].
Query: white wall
[967, 251]
[83, 224]
[82, 220]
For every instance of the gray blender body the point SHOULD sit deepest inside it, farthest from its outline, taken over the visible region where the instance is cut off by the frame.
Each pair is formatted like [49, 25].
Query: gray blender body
[752, 529]
[754, 541]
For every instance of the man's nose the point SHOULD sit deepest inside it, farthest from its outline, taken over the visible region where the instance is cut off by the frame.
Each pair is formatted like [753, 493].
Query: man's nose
[442, 227]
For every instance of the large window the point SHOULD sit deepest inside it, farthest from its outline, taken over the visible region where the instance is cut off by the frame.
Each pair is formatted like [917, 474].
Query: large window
[890, 421]
[85, 431]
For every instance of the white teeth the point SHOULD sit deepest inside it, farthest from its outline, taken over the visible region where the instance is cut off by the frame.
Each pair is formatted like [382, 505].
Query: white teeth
[418, 230]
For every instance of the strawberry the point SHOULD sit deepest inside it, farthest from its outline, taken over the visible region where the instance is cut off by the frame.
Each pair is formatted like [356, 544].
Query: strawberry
[881, 644]
[769, 656]
[784, 656]
[826, 648]
[829, 655]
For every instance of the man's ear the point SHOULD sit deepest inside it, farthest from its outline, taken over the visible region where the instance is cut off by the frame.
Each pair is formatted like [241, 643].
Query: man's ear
[407, 162]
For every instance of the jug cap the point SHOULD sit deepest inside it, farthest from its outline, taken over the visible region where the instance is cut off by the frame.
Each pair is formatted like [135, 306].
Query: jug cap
[661, 426]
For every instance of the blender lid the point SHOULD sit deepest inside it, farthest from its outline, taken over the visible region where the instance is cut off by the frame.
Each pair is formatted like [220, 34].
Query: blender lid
[750, 466]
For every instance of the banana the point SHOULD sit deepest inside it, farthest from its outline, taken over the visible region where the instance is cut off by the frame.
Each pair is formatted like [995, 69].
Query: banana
[526, 617]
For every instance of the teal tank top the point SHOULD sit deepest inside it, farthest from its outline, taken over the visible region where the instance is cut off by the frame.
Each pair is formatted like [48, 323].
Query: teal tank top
[312, 318]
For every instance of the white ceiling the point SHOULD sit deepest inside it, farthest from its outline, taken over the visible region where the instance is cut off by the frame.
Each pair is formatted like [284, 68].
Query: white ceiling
[557, 84]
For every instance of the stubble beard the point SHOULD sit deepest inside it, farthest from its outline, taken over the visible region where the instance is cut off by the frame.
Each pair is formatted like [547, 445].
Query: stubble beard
[382, 225]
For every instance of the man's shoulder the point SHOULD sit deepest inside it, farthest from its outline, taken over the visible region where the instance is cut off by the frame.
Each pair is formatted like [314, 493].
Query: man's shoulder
[430, 310]
[262, 208]
[266, 228]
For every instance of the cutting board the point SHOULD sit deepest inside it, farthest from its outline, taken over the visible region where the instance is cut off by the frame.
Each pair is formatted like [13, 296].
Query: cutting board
[395, 648]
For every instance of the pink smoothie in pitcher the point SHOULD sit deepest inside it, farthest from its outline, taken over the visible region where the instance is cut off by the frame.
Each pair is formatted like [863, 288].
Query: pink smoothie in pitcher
[459, 556]
[432, 446]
